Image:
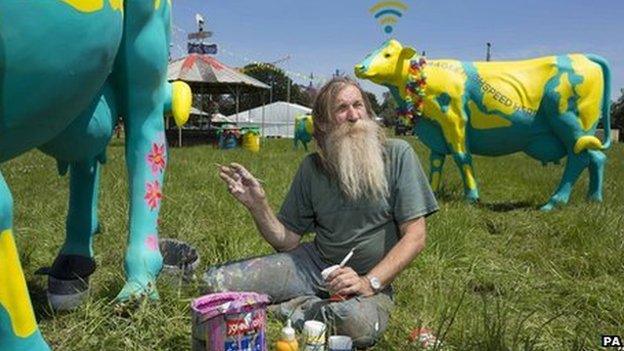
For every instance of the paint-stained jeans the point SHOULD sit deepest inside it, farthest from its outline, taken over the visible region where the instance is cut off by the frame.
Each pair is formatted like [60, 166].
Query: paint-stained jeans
[293, 280]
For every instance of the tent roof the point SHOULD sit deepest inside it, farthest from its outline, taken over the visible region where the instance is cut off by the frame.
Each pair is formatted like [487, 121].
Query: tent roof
[197, 112]
[218, 117]
[206, 74]
[279, 110]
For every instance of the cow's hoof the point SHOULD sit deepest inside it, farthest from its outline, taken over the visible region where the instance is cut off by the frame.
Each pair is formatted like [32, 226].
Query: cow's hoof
[134, 291]
[594, 198]
[552, 204]
[548, 207]
[472, 200]
[66, 295]
[472, 196]
[68, 281]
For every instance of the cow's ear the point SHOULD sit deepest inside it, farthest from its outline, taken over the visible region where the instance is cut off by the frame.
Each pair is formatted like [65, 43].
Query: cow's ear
[407, 53]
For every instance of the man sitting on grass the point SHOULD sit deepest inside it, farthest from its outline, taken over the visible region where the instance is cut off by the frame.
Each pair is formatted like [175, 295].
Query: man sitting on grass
[360, 191]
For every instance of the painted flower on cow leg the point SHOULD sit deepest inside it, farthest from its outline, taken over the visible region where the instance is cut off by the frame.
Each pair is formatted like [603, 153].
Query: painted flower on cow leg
[153, 194]
[157, 158]
[152, 242]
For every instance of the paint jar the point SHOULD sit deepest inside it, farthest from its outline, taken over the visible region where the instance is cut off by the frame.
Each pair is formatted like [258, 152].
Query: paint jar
[339, 343]
[314, 335]
[251, 139]
[232, 321]
[180, 259]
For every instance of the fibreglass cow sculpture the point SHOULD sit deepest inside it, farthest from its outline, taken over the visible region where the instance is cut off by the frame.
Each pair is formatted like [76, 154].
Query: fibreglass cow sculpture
[547, 107]
[304, 127]
[68, 68]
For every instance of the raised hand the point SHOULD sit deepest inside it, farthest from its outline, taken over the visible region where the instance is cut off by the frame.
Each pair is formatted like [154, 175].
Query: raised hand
[242, 184]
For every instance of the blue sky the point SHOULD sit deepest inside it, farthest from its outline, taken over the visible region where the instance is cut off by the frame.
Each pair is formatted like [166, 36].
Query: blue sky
[322, 36]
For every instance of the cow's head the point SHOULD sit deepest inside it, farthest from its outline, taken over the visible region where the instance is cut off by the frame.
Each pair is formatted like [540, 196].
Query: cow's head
[388, 65]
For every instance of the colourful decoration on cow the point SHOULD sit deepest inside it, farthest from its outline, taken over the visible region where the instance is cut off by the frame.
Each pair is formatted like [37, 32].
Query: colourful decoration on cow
[152, 242]
[69, 112]
[547, 107]
[157, 158]
[304, 128]
[415, 87]
[153, 194]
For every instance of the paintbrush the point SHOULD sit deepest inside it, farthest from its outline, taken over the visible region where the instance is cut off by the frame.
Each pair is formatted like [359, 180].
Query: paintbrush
[347, 258]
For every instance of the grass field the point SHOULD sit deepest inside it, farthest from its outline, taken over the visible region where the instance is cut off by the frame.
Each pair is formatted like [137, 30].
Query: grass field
[497, 276]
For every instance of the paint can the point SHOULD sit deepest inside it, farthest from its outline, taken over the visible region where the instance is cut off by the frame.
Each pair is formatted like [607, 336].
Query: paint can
[180, 259]
[230, 321]
[314, 335]
[251, 139]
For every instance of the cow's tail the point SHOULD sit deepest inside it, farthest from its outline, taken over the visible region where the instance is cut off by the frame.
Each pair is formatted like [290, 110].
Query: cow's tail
[606, 99]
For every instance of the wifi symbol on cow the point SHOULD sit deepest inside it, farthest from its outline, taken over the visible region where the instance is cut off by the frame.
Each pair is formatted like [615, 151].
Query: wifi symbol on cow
[388, 13]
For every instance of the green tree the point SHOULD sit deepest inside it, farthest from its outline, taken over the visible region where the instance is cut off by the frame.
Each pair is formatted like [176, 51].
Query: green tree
[388, 110]
[374, 103]
[275, 77]
[617, 114]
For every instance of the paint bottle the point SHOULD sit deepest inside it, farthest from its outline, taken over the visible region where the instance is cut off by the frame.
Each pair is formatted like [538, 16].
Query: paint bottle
[288, 341]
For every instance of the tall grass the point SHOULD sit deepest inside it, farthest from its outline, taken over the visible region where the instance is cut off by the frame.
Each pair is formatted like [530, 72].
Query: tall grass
[499, 275]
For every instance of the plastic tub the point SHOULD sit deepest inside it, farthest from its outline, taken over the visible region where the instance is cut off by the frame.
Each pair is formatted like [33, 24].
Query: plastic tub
[230, 321]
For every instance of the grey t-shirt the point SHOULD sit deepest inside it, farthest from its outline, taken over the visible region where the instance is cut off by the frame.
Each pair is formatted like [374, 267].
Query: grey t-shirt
[315, 204]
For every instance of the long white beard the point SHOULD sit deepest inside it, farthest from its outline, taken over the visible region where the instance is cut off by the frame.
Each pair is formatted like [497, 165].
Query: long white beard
[355, 152]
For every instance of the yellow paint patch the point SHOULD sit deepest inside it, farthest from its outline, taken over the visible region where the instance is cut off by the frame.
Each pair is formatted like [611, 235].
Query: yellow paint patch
[470, 181]
[116, 4]
[435, 181]
[156, 4]
[437, 163]
[13, 292]
[587, 142]
[309, 125]
[86, 5]
[565, 91]
[590, 91]
[446, 76]
[480, 120]
[515, 85]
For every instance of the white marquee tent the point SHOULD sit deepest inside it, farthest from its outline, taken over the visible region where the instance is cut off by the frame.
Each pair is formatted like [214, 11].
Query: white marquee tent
[275, 120]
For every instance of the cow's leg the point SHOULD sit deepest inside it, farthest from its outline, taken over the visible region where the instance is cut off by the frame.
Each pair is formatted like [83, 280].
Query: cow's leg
[143, 70]
[18, 326]
[82, 220]
[69, 276]
[574, 166]
[80, 148]
[464, 162]
[597, 160]
[454, 133]
[145, 160]
[436, 161]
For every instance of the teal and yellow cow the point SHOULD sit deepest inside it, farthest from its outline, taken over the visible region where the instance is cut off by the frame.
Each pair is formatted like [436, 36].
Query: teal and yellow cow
[304, 127]
[547, 107]
[68, 69]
